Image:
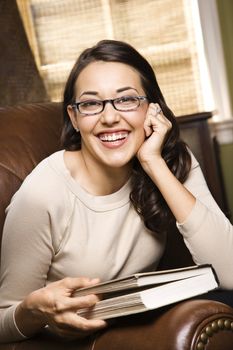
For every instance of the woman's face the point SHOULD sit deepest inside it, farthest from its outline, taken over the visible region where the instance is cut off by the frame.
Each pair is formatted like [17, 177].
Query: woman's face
[111, 138]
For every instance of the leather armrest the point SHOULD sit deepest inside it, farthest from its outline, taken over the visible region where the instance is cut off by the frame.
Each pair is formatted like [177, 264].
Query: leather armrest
[190, 325]
[182, 327]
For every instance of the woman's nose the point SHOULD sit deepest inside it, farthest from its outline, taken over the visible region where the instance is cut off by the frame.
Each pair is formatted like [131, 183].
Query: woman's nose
[110, 115]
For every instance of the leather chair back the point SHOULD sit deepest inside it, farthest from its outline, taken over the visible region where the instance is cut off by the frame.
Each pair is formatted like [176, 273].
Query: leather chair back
[28, 134]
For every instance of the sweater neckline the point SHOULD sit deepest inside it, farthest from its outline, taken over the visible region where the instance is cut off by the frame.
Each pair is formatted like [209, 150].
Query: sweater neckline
[94, 202]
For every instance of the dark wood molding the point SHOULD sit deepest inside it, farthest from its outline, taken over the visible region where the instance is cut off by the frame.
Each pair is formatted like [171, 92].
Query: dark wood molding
[194, 117]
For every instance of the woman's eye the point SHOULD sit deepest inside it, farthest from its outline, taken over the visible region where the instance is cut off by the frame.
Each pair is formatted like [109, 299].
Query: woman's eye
[127, 99]
[91, 103]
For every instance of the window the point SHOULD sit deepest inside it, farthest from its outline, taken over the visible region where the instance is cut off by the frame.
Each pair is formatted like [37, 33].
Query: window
[162, 30]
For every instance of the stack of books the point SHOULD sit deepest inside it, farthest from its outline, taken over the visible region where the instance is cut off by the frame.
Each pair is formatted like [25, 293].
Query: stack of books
[147, 291]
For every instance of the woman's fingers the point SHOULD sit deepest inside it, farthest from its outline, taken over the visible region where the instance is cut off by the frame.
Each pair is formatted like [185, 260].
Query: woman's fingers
[75, 303]
[156, 121]
[74, 283]
[156, 127]
[88, 325]
[71, 320]
[150, 122]
[71, 325]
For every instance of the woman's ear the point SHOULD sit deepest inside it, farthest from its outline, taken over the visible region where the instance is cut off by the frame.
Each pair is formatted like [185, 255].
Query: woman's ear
[73, 117]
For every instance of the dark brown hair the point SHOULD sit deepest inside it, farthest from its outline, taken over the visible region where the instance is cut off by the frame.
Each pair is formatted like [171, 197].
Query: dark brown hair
[145, 196]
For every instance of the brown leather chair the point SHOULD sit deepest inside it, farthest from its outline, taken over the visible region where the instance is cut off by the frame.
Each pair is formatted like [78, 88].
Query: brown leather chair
[27, 135]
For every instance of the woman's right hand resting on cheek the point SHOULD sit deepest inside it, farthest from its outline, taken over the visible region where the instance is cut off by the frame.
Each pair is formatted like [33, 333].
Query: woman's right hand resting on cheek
[54, 306]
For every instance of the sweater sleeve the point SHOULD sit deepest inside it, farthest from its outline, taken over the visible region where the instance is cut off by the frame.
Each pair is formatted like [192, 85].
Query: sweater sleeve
[31, 235]
[207, 232]
[27, 252]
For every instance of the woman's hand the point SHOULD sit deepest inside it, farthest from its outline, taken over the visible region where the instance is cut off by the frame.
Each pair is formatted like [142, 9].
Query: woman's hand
[54, 306]
[156, 127]
[177, 197]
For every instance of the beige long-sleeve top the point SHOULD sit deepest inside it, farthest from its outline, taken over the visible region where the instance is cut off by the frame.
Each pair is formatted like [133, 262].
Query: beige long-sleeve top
[54, 229]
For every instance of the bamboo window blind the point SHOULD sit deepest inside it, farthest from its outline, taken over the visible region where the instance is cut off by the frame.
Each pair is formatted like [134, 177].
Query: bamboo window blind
[162, 30]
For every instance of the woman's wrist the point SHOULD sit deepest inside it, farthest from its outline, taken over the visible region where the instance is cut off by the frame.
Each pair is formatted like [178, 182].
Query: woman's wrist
[152, 164]
[28, 318]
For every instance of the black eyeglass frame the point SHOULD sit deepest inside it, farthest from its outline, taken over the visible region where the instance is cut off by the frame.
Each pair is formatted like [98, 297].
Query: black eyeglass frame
[112, 101]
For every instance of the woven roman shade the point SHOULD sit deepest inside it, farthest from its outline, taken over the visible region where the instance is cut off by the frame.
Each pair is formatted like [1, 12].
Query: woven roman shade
[162, 30]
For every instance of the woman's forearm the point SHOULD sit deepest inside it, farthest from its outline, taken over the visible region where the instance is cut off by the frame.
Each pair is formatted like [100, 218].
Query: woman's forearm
[178, 198]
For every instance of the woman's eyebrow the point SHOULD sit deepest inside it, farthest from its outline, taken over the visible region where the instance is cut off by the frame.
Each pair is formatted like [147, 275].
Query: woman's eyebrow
[126, 88]
[89, 93]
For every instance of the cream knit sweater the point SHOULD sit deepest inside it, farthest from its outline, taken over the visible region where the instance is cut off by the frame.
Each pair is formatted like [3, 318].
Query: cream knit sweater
[54, 229]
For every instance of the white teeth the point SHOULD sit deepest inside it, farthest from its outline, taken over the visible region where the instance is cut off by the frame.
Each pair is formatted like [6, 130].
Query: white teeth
[113, 137]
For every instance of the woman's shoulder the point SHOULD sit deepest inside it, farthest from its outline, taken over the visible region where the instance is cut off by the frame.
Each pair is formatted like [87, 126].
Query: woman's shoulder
[48, 169]
[43, 201]
[46, 181]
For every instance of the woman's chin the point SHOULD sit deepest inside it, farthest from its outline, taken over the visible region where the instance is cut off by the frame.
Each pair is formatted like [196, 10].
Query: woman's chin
[118, 162]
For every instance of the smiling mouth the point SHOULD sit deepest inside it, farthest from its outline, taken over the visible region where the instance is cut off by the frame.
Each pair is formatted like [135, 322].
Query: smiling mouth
[113, 137]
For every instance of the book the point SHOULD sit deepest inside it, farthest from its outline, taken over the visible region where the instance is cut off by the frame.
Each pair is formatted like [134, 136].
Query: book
[147, 291]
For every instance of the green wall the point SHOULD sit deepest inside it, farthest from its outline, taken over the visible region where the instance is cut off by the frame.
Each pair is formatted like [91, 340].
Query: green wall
[225, 11]
[226, 159]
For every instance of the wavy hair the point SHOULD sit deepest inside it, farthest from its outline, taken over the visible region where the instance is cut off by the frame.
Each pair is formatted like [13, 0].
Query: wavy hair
[145, 196]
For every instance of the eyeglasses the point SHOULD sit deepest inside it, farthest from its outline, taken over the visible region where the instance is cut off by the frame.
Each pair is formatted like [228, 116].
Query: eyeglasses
[122, 104]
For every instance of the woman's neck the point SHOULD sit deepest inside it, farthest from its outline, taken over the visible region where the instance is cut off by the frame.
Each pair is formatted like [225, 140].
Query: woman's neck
[93, 177]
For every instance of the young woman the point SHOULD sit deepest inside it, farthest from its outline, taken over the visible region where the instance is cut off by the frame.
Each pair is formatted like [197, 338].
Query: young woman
[100, 208]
